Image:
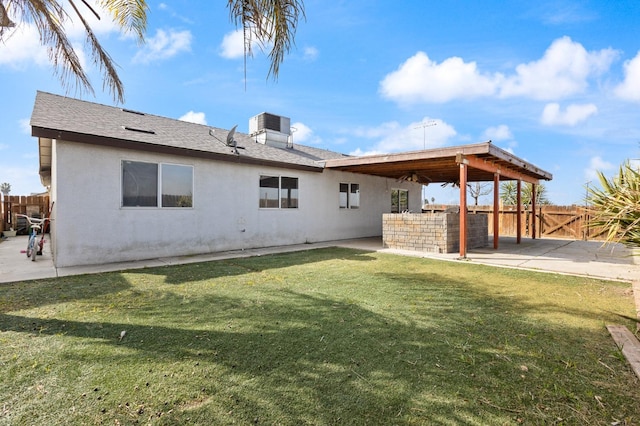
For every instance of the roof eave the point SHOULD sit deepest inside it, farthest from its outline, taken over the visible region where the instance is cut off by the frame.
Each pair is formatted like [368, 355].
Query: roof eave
[43, 132]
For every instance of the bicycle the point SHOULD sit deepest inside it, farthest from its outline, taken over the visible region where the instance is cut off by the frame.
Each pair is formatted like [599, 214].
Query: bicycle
[34, 247]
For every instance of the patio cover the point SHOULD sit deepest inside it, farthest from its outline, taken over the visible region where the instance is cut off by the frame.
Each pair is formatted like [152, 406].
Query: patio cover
[458, 165]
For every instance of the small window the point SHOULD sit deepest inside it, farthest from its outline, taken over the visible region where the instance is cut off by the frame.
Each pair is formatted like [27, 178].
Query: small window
[269, 189]
[354, 196]
[278, 192]
[139, 184]
[344, 195]
[349, 195]
[288, 193]
[177, 185]
[399, 200]
[143, 182]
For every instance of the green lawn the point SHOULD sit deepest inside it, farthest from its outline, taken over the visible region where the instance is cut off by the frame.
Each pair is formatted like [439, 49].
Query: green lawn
[323, 337]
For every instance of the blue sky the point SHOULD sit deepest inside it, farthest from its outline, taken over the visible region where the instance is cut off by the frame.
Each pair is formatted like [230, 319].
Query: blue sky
[557, 83]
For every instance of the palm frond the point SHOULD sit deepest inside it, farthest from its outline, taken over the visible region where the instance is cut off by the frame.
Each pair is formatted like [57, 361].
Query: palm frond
[102, 59]
[130, 15]
[271, 22]
[49, 17]
[615, 207]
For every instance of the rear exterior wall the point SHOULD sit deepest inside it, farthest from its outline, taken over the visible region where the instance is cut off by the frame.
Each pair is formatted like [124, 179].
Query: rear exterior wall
[91, 227]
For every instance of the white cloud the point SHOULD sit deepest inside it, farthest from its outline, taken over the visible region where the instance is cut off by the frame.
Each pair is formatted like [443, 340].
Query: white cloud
[24, 180]
[164, 45]
[301, 133]
[574, 114]
[25, 127]
[629, 89]
[310, 53]
[419, 79]
[194, 117]
[564, 12]
[393, 137]
[22, 46]
[498, 133]
[564, 70]
[596, 164]
[232, 46]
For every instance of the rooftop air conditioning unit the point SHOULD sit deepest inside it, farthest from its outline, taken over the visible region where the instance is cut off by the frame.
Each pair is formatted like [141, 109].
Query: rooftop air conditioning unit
[271, 129]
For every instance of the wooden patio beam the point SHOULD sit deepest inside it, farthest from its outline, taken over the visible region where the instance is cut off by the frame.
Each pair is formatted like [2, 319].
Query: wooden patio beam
[489, 166]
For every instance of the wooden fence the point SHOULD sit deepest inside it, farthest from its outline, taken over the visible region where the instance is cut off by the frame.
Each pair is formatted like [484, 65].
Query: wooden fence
[32, 205]
[551, 221]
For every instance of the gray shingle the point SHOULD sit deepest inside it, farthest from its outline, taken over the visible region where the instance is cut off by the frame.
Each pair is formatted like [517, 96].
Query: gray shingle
[72, 116]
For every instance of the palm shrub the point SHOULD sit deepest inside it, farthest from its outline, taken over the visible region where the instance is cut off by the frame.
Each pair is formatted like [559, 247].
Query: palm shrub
[616, 206]
[509, 194]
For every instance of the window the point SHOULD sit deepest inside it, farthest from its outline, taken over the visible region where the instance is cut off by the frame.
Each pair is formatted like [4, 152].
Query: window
[354, 196]
[177, 186]
[399, 200]
[349, 195]
[142, 183]
[278, 192]
[288, 193]
[139, 184]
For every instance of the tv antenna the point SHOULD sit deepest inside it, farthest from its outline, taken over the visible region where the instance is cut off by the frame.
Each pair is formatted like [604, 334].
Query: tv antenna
[424, 126]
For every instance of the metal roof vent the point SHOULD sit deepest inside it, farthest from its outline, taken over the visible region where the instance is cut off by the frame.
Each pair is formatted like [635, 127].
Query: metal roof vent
[270, 129]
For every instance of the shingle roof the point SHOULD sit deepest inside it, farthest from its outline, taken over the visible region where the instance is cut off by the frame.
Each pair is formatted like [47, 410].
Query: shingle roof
[59, 117]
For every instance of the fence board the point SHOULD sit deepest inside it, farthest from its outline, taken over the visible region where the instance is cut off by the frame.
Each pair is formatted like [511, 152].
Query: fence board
[551, 221]
[32, 205]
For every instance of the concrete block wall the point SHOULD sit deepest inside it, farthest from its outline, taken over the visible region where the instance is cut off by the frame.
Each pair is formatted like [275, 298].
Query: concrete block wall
[432, 232]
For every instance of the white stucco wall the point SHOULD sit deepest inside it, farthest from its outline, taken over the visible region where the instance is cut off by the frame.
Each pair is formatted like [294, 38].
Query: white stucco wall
[91, 227]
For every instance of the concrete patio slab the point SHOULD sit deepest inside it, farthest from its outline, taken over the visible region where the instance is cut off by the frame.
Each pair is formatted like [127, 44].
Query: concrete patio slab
[585, 258]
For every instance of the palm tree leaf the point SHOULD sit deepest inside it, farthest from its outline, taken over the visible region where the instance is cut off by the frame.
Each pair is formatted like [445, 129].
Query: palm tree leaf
[48, 17]
[102, 59]
[270, 22]
[130, 15]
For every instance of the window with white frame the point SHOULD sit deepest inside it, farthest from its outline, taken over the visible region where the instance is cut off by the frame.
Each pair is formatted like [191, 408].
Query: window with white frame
[278, 192]
[156, 184]
[399, 200]
[349, 195]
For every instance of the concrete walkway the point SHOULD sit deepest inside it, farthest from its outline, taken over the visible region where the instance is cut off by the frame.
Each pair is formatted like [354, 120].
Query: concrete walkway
[585, 258]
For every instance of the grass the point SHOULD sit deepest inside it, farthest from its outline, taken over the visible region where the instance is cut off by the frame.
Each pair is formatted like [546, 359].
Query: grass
[322, 337]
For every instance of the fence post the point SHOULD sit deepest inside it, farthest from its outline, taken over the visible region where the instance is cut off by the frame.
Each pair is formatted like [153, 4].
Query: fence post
[540, 222]
[585, 223]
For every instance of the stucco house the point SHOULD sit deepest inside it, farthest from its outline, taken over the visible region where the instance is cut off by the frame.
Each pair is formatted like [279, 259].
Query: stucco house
[127, 185]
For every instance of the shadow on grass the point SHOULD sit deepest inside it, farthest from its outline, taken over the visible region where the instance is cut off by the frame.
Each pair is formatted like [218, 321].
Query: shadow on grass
[31, 294]
[448, 354]
[180, 274]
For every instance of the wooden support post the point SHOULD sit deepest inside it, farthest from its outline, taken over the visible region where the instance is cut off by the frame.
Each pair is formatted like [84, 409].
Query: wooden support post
[533, 210]
[463, 210]
[519, 212]
[496, 210]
